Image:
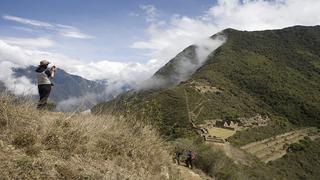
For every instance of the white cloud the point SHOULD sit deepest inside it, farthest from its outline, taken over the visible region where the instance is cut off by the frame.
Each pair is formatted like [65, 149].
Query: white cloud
[19, 86]
[28, 21]
[15, 54]
[186, 63]
[261, 15]
[74, 34]
[23, 29]
[78, 103]
[33, 43]
[151, 12]
[63, 30]
[167, 38]
[134, 14]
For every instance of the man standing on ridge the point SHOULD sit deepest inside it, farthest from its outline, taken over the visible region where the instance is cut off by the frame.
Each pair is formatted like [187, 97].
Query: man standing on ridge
[44, 83]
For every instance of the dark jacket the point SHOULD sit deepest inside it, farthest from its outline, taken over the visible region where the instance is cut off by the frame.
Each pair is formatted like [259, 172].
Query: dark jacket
[40, 69]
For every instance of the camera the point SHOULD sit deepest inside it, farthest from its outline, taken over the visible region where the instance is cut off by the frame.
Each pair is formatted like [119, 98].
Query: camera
[54, 68]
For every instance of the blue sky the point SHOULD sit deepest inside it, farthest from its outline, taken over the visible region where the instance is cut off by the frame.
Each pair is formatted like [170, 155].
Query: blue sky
[113, 25]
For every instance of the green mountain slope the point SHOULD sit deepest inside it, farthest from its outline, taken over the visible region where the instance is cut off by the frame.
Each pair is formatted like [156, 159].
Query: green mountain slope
[275, 72]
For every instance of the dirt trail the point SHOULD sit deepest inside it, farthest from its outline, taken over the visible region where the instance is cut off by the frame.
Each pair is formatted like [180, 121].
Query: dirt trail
[187, 174]
[236, 154]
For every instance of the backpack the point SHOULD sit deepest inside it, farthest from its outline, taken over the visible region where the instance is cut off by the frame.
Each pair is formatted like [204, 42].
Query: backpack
[193, 156]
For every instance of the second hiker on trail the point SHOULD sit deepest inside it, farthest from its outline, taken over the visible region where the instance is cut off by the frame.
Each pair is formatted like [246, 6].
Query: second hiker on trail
[178, 156]
[190, 158]
[44, 76]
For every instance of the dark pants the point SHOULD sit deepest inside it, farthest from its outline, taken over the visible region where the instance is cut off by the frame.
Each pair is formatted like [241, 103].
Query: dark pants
[44, 92]
[177, 159]
[189, 163]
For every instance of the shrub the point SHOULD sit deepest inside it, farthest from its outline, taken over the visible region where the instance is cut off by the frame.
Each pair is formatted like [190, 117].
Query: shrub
[24, 139]
[296, 147]
[33, 150]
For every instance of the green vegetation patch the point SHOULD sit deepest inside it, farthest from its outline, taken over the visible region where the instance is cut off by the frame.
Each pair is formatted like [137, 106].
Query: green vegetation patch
[303, 162]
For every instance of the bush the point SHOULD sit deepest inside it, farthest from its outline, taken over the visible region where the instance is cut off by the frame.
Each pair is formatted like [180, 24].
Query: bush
[296, 147]
[24, 139]
[302, 145]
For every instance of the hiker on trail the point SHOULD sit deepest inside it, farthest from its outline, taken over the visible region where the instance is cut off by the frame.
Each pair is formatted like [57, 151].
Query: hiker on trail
[190, 158]
[44, 76]
[178, 155]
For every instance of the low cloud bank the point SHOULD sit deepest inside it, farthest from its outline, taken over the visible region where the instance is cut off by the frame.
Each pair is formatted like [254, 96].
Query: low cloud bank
[90, 99]
[78, 103]
[186, 67]
[184, 64]
[18, 85]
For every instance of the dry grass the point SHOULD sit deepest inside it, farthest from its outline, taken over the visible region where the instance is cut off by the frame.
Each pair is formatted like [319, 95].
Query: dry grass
[45, 145]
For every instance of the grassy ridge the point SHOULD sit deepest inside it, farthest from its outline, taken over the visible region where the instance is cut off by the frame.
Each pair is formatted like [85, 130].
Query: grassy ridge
[40, 145]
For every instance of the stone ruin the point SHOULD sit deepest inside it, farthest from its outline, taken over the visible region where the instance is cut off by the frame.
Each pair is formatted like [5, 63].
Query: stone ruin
[214, 139]
[239, 123]
[232, 125]
[203, 87]
[255, 121]
[236, 125]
